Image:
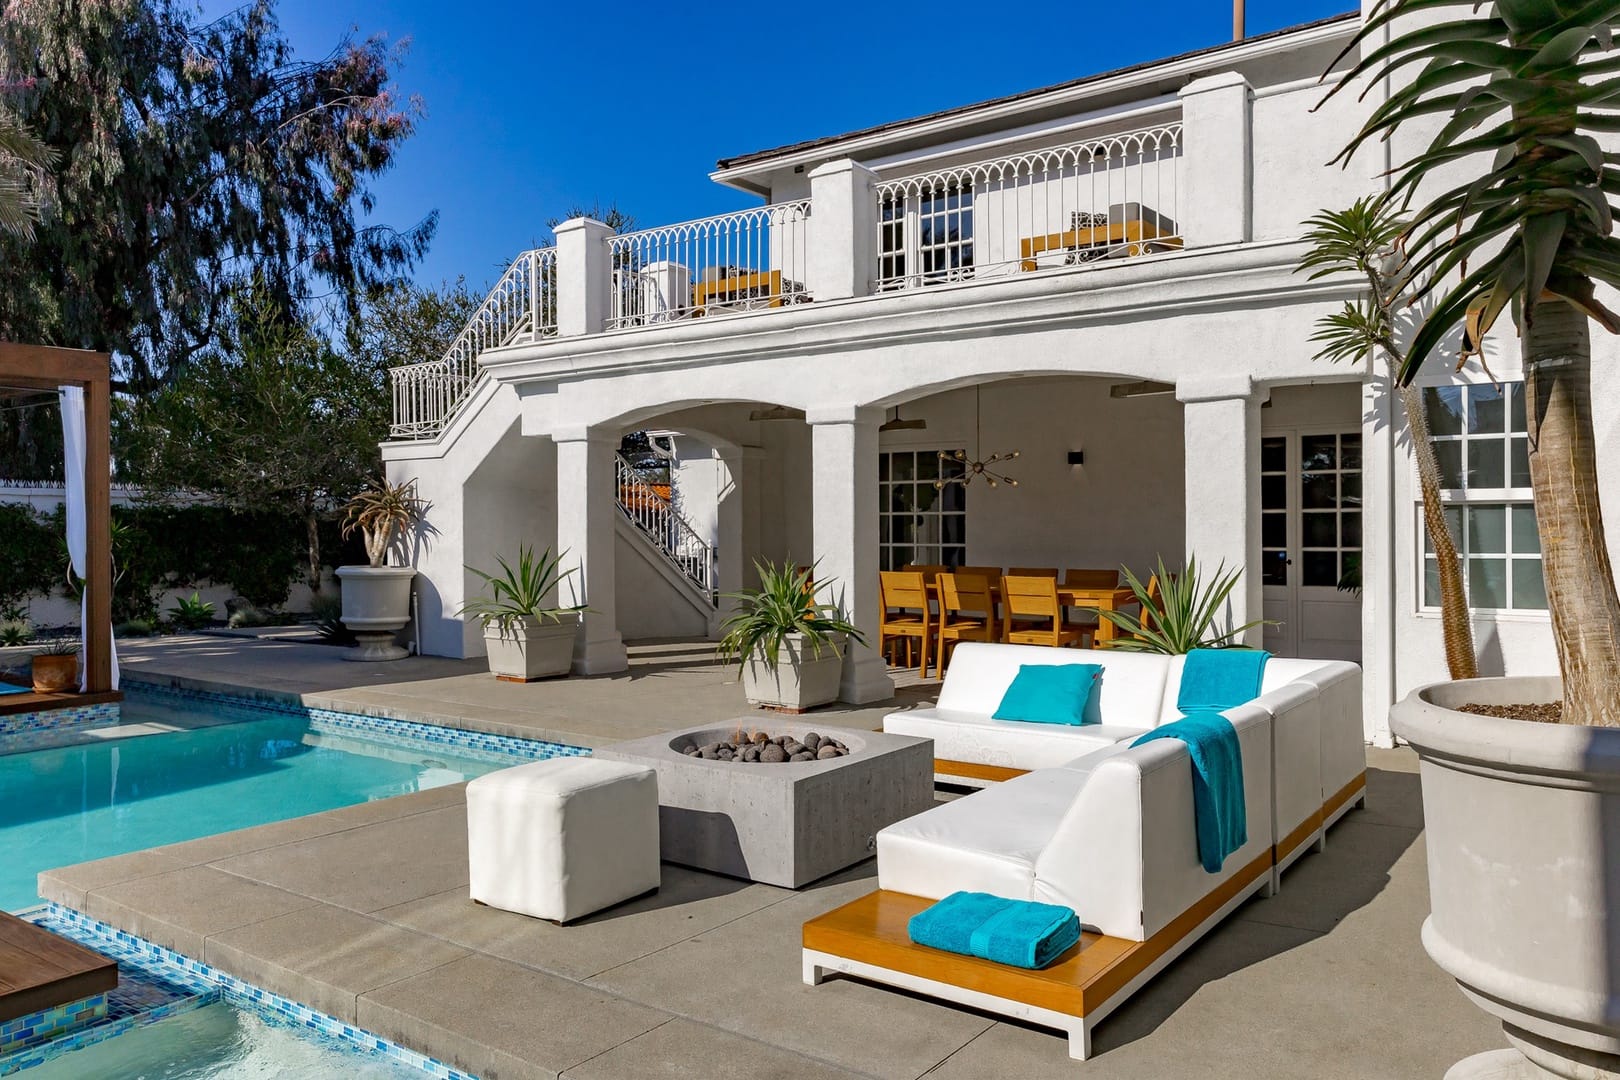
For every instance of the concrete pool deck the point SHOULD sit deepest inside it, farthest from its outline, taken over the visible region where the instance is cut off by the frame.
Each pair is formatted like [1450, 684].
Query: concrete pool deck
[362, 912]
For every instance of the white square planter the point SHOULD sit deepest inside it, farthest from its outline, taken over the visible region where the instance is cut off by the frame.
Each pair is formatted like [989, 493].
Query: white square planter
[802, 680]
[524, 650]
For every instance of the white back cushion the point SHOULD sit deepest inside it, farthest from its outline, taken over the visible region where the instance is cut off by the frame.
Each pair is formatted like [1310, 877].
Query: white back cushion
[1279, 671]
[1129, 694]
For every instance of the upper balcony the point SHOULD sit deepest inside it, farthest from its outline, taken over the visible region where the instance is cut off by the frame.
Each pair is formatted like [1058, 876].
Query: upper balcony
[1177, 173]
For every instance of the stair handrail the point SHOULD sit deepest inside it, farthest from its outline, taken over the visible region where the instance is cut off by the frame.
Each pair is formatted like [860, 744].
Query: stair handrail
[428, 395]
[666, 528]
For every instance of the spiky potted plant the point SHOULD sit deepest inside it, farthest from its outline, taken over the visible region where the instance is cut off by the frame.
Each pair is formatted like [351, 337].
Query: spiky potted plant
[377, 597]
[55, 667]
[788, 645]
[526, 635]
[1522, 817]
[1178, 611]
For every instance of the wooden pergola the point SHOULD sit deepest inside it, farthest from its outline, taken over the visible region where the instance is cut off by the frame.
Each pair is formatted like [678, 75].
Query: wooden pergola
[27, 370]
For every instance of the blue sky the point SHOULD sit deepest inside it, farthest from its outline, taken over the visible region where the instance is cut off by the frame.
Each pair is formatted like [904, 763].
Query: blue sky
[535, 107]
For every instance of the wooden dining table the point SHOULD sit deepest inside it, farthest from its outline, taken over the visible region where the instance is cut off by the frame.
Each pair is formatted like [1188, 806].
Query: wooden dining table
[1103, 599]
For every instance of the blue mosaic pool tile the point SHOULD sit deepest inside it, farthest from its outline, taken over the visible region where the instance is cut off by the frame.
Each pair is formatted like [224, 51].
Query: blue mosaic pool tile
[52, 721]
[204, 984]
[383, 729]
[36, 1028]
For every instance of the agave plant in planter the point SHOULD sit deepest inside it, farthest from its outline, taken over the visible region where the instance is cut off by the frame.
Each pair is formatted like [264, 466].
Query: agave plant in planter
[787, 645]
[1178, 611]
[55, 667]
[377, 597]
[527, 638]
[1514, 216]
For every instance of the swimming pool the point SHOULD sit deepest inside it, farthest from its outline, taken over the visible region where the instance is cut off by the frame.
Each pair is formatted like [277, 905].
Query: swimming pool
[115, 795]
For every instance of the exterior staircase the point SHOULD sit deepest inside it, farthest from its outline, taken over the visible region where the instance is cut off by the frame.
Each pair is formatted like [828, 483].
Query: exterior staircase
[651, 511]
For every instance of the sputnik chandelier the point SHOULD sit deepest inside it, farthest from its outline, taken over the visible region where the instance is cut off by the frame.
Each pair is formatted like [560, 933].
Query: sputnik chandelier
[980, 466]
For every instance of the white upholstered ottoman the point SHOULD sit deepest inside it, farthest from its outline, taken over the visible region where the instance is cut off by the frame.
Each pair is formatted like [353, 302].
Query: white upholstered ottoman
[561, 838]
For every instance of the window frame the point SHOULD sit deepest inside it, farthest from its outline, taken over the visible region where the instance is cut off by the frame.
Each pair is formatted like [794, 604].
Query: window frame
[1460, 503]
[887, 515]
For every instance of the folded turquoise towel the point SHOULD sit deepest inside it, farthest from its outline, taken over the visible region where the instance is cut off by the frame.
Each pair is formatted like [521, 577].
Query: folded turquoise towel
[1220, 678]
[1027, 935]
[1021, 933]
[1219, 813]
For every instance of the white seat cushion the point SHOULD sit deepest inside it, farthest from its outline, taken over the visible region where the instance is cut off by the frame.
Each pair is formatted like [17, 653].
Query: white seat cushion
[561, 838]
[984, 842]
[1012, 744]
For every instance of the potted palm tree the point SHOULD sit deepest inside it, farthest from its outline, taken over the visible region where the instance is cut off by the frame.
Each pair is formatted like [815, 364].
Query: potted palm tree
[527, 638]
[1522, 816]
[787, 645]
[377, 597]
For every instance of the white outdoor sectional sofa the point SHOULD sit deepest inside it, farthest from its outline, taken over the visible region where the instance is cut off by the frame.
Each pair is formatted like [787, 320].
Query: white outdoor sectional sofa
[1081, 818]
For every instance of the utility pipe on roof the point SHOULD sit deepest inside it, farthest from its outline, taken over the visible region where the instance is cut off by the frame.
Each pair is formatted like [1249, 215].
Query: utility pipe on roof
[1237, 20]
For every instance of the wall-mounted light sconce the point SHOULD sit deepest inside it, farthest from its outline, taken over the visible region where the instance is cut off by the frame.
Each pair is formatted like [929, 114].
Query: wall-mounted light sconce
[1077, 457]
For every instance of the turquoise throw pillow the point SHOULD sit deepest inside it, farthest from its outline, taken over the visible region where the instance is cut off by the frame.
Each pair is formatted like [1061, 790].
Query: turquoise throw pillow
[1049, 693]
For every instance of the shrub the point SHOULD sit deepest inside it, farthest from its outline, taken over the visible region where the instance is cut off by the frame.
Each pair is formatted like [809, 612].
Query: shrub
[192, 612]
[30, 557]
[15, 632]
[133, 628]
[327, 609]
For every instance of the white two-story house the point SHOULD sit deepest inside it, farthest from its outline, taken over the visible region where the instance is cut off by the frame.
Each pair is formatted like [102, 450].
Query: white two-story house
[1099, 275]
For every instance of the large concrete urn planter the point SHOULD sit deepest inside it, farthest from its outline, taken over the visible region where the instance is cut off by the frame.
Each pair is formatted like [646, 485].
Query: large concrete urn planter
[523, 650]
[801, 679]
[376, 606]
[1523, 835]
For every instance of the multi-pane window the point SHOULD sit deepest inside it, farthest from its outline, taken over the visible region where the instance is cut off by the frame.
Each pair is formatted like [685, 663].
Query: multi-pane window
[1482, 448]
[1330, 510]
[930, 232]
[1274, 560]
[945, 232]
[917, 522]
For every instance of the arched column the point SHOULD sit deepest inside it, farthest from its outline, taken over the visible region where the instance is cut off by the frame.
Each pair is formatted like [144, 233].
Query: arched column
[585, 538]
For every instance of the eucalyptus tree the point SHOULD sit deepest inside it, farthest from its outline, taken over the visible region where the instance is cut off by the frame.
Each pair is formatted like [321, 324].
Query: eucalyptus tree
[1363, 239]
[1512, 191]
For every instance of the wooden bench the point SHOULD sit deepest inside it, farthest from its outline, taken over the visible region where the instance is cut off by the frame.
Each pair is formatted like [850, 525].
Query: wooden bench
[40, 970]
[1140, 236]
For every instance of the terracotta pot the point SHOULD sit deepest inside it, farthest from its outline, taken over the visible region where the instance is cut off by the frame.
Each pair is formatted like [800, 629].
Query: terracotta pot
[1523, 824]
[56, 674]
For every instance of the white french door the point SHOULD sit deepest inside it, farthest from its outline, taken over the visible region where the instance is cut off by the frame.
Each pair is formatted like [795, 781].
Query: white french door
[1310, 542]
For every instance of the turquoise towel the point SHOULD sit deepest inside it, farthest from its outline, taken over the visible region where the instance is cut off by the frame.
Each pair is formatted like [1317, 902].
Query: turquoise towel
[1219, 814]
[1017, 932]
[1218, 679]
[1026, 934]
[13, 688]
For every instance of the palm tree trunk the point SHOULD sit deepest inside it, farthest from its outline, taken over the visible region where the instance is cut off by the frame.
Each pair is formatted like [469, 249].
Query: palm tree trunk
[1563, 471]
[1457, 629]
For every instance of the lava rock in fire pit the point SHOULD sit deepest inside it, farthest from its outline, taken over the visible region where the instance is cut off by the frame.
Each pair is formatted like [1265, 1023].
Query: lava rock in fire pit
[828, 752]
[802, 755]
[772, 753]
[812, 741]
[746, 748]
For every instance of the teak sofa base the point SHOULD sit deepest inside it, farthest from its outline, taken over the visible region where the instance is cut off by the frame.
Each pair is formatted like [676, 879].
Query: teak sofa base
[867, 939]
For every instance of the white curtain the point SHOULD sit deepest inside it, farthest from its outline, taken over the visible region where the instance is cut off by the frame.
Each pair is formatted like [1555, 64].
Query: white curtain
[73, 455]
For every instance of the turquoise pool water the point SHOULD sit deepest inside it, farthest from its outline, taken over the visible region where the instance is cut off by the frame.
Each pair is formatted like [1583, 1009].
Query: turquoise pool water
[82, 802]
[220, 1041]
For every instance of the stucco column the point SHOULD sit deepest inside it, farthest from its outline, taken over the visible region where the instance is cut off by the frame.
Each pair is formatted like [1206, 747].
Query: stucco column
[586, 539]
[844, 451]
[1221, 422]
[584, 279]
[1217, 146]
[728, 535]
[1378, 457]
[841, 235]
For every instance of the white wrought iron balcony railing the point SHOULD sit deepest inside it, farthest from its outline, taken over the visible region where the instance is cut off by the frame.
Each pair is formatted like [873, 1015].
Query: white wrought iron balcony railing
[656, 517]
[1105, 198]
[521, 307]
[746, 261]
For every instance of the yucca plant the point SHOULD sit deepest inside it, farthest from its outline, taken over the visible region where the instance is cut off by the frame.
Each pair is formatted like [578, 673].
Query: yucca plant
[192, 612]
[1183, 616]
[382, 512]
[520, 592]
[784, 604]
[1363, 239]
[1528, 230]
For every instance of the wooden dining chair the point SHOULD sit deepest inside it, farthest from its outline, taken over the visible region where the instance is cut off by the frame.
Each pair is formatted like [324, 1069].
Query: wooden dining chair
[991, 572]
[1145, 615]
[1035, 617]
[1033, 571]
[904, 597]
[967, 612]
[929, 571]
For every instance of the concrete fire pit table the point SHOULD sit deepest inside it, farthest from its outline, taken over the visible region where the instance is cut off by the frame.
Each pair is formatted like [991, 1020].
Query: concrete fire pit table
[782, 823]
